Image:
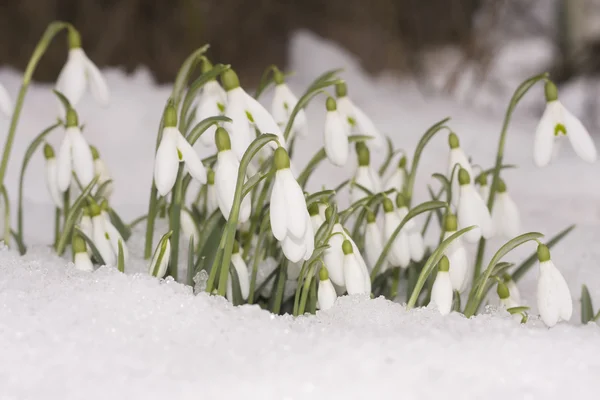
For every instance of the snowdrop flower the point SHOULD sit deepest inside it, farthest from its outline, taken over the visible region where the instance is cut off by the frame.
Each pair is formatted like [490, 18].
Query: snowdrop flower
[457, 255]
[173, 149]
[483, 187]
[290, 221]
[416, 244]
[356, 275]
[553, 295]
[316, 219]
[399, 254]
[189, 226]
[114, 236]
[212, 198]
[101, 237]
[507, 301]
[557, 121]
[101, 171]
[512, 287]
[472, 210]
[52, 176]
[78, 72]
[373, 242]
[457, 156]
[334, 256]
[81, 259]
[356, 117]
[441, 292]
[505, 214]
[398, 178]
[242, 272]
[326, 294]
[74, 155]
[283, 104]
[245, 110]
[226, 172]
[365, 175]
[6, 106]
[212, 103]
[160, 258]
[337, 146]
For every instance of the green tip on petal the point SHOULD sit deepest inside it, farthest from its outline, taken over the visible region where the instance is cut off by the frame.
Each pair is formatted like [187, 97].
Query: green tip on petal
[210, 177]
[463, 177]
[331, 104]
[95, 154]
[400, 200]
[281, 160]
[230, 80]
[501, 186]
[72, 119]
[341, 89]
[74, 38]
[450, 223]
[278, 76]
[347, 247]
[482, 180]
[550, 91]
[94, 209]
[222, 139]
[170, 116]
[506, 277]
[79, 245]
[236, 247]
[444, 264]
[323, 273]
[388, 206]
[205, 65]
[313, 209]
[364, 156]
[48, 151]
[502, 291]
[543, 253]
[402, 162]
[370, 217]
[453, 141]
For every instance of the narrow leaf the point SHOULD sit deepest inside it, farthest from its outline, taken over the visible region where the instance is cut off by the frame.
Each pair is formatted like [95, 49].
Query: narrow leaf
[587, 309]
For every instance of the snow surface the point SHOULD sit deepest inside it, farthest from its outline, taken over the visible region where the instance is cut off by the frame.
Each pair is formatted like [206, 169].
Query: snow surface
[66, 334]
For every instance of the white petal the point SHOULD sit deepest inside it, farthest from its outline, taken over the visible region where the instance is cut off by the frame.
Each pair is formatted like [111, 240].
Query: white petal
[242, 271]
[166, 162]
[64, 166]
[505, 216]
[82, 262]
[416, 246]
[239, 127]
[326, 295]
[353, 275]
[278, 106]
[212, 200]
[245, 208]
[459, 263]
[579, 137]
[553, 296]
[6, 106]
[294, 249]
[83, 162]
[164, 261]
[188, 226]
[334, 256]
[513, 289]
[399, 254]
[367, 127]
[85, 224]
[309, 238]
[207, 108]
[98, 85]
[411, 224]
[226, 172]
[458, 156]
[544, 134]
[316, 222]
[72, 80]
[362, 177]
[295, 203]
[373, 244]
[395, 180]
[346, 108]
[101, 241]
[336, 139]
[278, 210]
[441, 293]
[262, 119]
[191, 159]
[114, 237]
[473, 211]
[52, 182]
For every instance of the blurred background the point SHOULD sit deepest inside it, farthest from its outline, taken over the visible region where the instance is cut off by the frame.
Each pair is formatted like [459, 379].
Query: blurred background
[406, 37]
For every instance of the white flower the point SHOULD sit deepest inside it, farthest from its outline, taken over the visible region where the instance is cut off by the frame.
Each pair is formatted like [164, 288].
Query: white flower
[483, 188]
[337, 146]
[114, 236]
[226, 173]
[244, 111]
[290, 221]
[558, 121]
[398, 178]
[101, 237]
[326, 294]
[52, 176]
[365, 175]
[505, 214]
[457, 156]
[212, 198]
[173, 149]
[399, 254]
[507, 301]
[283, 104]
[515, 294]
[160, 258]
[416, 245]
[441, 292]
[472, 210]
[243, 277]
[6, 106]
[74, 155]
[355, 116]
[188, 226]
[553, 295]
[457, 256]
[101, 171]
[81, 259]
[356, 275]
[334, 257]
[212, 100]
[78, 72]
[373, 242]
[315, 217]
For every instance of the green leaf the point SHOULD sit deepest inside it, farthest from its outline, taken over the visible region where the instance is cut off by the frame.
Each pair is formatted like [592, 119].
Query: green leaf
[120, 226]
[193, 91]
[203, 125]
[101, 192]
[235, 286]
[517, 310]
[475, 301]
[325, 76]
[587, 309]
[319, 196]
[90, 243]
[431, 263]
[491, 170]
[160, 252]
[530, 261]
[421, 208]
[120, 257]
[63, 99]
[390, 156]
[184, 73]
[255, 180]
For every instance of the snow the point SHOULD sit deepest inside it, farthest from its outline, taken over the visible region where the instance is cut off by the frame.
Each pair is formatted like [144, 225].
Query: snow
[66, 334]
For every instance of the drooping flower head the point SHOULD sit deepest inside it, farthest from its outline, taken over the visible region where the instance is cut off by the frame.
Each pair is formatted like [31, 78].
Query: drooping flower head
[472, 210]
[553, 294]
[337, 147]
[326, 294]
[81, 259]
[283, 104]
[399, 254]
[373, 242]
[456, 156]
[52, 176]
[213, 101]
[365, 175]
[101, 171]
[441, 292]
[160, 259]
[457, 255]
[398, 178]
[356, 275]
[74, 155]
[505, 214]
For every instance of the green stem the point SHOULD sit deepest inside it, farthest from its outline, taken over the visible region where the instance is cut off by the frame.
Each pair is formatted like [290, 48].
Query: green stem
[280, 287]
[6, 227]
[258, 255]
[174, 223]
[56, 225]
[306, 289]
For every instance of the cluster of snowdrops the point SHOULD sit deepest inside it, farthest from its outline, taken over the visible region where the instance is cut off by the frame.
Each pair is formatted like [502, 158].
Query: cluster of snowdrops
[253, 233]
